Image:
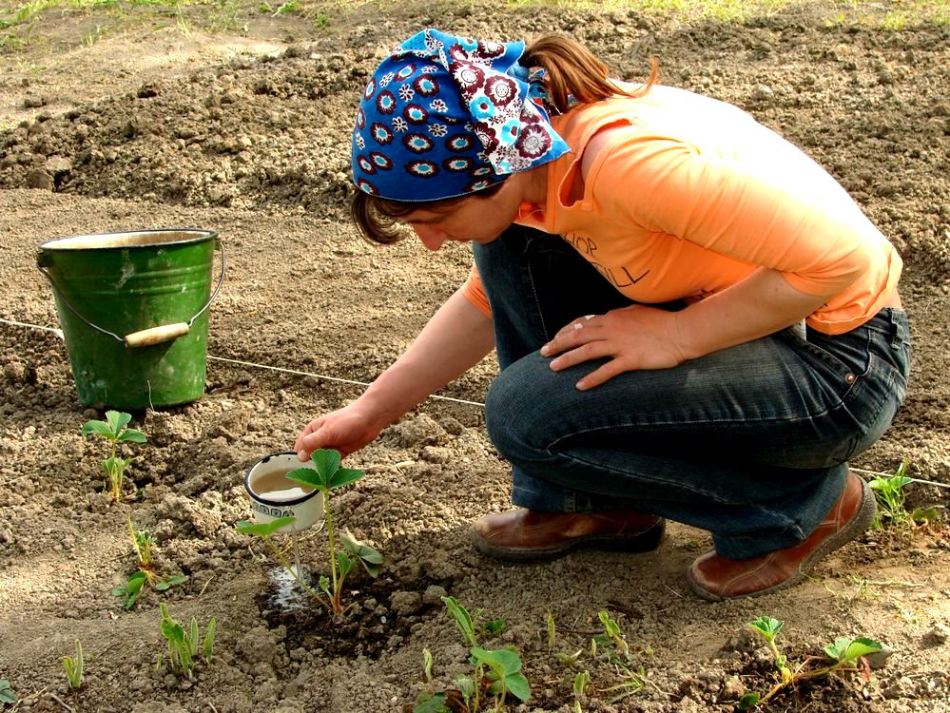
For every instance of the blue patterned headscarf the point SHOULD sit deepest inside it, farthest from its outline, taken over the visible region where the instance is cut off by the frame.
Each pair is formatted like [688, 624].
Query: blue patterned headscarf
[444, 116]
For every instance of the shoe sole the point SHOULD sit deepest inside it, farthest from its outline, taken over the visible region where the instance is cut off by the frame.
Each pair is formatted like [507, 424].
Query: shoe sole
[859, 523]
[645, 541]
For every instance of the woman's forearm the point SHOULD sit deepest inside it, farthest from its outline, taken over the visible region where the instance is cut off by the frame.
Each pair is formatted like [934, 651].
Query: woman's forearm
[456, 338]
[761, 304]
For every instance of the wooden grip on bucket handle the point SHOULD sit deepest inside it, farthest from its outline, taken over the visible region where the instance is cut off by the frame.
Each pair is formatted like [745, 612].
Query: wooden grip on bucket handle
[156, 335]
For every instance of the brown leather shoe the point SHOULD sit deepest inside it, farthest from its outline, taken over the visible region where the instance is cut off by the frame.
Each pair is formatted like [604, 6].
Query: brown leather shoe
[523, 535]
[716, 578]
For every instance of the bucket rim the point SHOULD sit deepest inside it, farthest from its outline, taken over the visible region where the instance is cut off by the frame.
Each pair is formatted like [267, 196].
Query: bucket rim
[128, 239]
[286, 503]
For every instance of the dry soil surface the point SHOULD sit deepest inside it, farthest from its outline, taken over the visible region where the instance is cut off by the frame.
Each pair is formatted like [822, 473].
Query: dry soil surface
[248, 135]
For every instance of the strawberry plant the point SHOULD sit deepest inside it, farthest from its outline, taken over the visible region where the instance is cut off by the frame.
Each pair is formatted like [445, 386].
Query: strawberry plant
[183, 646]
[497, 672]
[325, 476]
[74, 668]
[115, 430]
[143, 543]
[845, 655]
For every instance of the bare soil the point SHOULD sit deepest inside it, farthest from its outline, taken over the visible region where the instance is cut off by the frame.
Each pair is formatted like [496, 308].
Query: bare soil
[248, 135]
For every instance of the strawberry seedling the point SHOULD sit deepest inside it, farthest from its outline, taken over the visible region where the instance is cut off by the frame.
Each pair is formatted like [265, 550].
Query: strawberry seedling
[497, 672]
[143, 544]
[183, 646]
[74, 668]
[114, 429]
[891, 501]
[845, 654]
[325, 476]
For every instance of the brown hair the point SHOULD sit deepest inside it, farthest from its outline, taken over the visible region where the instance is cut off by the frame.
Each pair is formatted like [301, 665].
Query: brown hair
[572, 73]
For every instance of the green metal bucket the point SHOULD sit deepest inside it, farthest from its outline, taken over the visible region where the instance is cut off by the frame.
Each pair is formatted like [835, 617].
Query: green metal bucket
[134, 311]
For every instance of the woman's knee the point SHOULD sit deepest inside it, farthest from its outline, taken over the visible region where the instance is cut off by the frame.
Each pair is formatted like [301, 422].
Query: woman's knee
[516, 410]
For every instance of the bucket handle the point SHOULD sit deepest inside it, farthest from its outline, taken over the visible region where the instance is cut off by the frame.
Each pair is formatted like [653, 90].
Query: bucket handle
[152, 335]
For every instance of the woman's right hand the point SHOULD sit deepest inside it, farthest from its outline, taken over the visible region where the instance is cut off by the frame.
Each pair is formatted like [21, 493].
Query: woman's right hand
[347, 430]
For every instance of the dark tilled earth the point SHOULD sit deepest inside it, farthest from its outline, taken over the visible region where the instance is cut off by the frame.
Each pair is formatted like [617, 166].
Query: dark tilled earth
[249, 136]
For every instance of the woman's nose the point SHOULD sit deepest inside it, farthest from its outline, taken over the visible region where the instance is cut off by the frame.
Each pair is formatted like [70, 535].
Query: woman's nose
[430, 236]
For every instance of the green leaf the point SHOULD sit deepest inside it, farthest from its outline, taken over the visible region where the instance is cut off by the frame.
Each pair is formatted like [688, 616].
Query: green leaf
[208, 644]
[170, 582]
[505, 661]
[263, 529]
[429, 703]
[748, 702]
[131, 589]
[345, 564]
[307, 476]
[518, 686]
[6, 692]
[427, 663]
[115, 464]
[611, 628]
[846, 650]
[495, 626]
[132, 435]
[326, 461]
[345, 476]
[462, 619]
[371, 559]
[767, 626]
[98, 428]
[325, 585]
[581, 682]
[466, 686]
[172, 631]
[117, 420]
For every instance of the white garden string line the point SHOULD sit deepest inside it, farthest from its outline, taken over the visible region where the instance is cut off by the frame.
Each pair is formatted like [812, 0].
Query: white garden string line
[329, 378]
[59, 333]
[339, 380]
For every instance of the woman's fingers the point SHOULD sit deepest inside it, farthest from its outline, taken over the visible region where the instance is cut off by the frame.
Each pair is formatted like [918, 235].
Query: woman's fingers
[584, 352]
[580, 331]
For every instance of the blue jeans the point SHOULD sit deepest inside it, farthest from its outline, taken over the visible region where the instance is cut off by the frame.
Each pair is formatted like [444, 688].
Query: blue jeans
[750, 443]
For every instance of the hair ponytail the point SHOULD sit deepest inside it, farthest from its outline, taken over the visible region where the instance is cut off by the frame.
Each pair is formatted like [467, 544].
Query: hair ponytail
[573, 71]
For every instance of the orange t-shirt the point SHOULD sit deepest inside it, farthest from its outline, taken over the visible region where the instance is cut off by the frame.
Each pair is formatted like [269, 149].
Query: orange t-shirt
[691, 195]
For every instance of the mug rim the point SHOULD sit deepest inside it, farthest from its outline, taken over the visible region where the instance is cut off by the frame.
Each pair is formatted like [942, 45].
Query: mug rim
[274, 503]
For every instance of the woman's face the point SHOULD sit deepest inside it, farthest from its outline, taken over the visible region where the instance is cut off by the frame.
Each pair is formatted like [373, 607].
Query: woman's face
[475, 218]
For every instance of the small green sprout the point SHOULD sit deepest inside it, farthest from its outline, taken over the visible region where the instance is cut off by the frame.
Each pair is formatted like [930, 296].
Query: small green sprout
[845, 653]
[183, 647]
[768, 628]
[114, 429]
[579, 688]
[892, 508]
[619, 656]
[327, 475]
[551, 629]
[74, 668]
[7, 696]
[613, 634]
[143, 543]
[427, 664]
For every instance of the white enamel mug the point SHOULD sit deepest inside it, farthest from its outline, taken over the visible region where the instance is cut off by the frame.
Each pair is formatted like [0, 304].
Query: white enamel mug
[295, 501]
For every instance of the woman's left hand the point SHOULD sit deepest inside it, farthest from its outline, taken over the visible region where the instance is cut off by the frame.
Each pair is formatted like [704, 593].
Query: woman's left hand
[631, 338]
